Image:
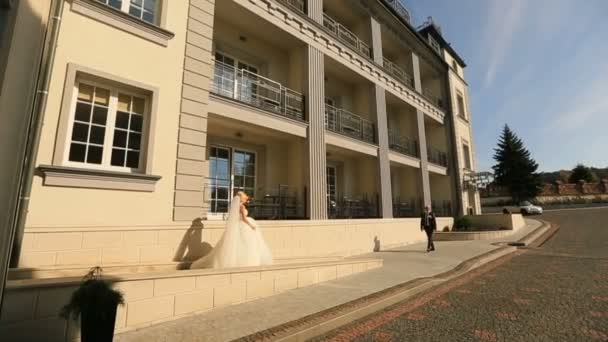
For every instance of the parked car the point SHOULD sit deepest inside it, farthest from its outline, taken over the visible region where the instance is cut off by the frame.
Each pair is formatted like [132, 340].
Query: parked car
[527, 208]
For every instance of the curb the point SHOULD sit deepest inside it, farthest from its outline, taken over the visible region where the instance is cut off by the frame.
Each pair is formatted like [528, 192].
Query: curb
[325, 321]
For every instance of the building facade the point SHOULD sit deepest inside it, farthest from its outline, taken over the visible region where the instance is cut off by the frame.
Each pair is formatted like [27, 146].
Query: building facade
[340, 119]
[158, 111]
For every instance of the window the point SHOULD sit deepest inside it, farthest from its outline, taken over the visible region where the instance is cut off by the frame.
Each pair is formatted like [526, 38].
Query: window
[434, 44]
[224, 76]
[106, 128]
[231, 170]
[145, 10]
[460, 102]
[455, 66]
[467, 156]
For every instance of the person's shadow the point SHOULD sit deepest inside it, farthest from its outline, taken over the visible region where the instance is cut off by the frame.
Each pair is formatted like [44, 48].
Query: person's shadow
[376, 244]
[192, 246]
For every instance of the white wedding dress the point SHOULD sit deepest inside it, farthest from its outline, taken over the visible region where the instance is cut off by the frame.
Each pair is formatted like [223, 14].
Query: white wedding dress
[239, 246]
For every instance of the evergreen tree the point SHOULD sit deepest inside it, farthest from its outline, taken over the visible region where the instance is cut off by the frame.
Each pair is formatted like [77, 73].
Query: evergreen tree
[515, 169]
[581, 172]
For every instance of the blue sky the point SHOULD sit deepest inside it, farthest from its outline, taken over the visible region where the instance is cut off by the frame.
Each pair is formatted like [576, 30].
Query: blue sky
[541, 66]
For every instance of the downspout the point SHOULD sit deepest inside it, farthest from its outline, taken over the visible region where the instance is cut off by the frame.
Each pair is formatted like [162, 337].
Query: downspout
[35, 126]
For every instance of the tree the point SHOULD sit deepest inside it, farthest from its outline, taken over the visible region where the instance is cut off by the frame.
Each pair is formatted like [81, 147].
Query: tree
[581, 172]
[515, 169]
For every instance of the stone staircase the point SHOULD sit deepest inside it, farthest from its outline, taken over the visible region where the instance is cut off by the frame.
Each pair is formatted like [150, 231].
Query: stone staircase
[156, 293]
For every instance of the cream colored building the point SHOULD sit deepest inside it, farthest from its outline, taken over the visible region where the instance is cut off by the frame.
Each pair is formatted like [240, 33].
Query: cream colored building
[325, 111]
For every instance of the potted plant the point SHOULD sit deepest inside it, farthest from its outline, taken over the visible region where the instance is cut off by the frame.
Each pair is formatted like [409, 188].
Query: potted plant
[95, 301]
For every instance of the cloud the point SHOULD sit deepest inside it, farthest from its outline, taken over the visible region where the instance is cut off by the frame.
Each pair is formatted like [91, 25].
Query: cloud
[504, 21]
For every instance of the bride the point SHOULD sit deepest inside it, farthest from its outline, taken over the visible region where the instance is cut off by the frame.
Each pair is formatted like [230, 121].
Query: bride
[241, 244]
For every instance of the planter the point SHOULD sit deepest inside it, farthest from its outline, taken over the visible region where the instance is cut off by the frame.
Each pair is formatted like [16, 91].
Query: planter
[97, 324]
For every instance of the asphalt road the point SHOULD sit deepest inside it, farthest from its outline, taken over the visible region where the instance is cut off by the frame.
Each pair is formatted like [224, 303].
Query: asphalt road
[557, 292]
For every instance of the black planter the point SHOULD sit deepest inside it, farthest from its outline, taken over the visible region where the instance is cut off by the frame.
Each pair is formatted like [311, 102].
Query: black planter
[97, 324]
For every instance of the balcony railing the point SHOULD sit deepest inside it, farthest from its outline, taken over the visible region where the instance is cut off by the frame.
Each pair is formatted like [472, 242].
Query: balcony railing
[258, 91]
[436, 156]
[346, 36]
[402, 144]
[405, 208]
[400, 9]
[396, 71]
[442, 209]
[273, 203]
[431, 96]
[295, 4]
[358, 207]
[344, 122]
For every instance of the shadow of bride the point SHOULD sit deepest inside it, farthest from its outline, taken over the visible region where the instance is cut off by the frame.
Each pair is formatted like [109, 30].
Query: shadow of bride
[192, 246]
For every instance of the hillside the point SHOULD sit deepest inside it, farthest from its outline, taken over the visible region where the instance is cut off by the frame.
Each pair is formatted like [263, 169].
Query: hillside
[563, 175]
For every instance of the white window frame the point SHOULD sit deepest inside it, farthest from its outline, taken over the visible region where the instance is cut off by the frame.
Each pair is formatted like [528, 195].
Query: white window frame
[462, 114]
[466, 147]
[434, 44]
[110, 128]
[126, 6]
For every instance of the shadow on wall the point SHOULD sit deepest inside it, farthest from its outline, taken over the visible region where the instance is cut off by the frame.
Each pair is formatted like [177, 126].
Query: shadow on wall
[376, 244]
[192, 246]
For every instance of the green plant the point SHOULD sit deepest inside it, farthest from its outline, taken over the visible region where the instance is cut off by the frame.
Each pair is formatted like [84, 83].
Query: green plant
[463, 223]
[94, 293]
[446, 229]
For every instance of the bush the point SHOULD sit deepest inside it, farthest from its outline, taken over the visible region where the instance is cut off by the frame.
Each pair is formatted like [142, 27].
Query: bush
[446, 229]
[463, 224]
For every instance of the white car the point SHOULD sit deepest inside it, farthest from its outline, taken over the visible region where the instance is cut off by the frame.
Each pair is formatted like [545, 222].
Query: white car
[527, 208]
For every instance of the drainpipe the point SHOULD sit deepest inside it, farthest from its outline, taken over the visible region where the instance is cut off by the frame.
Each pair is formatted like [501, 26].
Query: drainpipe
[35, 126]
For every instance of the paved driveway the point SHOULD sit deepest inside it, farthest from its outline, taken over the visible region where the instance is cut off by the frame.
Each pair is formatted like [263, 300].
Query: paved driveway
[558, 292]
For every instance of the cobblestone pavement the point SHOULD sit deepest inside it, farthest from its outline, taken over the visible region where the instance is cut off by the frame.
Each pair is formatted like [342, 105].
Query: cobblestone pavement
[557, 292]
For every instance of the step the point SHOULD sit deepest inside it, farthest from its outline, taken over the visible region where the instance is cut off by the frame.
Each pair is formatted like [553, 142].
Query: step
[31, 306]
[117, 269]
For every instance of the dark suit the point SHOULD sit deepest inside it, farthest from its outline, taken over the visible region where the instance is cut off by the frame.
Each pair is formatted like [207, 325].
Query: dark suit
[428, 223]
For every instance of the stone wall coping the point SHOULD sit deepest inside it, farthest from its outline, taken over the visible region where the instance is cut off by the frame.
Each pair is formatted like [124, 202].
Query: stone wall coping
[219, 224]
[57, 282]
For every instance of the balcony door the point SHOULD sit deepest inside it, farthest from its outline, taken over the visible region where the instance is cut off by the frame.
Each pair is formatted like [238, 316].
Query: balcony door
[235, 78]
[230, 170]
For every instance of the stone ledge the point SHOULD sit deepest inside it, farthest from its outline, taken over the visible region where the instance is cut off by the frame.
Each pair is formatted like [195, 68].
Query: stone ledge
[466, 236]
[114, 17]
[97, 179]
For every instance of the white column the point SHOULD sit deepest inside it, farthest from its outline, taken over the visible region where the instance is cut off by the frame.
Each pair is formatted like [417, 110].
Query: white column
[424, 163]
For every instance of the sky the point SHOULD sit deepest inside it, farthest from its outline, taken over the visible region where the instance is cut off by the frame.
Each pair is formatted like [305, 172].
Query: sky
[540, 66]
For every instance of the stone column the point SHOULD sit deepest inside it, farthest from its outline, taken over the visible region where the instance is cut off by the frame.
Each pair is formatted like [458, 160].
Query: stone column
[192, 165]
[384, 166]
[315, 94]
[424, 162]
[315, 10]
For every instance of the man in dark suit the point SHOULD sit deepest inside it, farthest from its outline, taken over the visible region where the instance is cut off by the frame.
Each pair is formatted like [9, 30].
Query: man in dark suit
[428, 223]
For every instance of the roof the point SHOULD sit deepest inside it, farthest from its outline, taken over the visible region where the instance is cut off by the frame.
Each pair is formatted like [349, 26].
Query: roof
[432, 29]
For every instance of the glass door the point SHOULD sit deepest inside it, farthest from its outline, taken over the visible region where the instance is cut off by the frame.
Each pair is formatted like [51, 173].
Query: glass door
[332, 190]
[243, 172]
[219, 180]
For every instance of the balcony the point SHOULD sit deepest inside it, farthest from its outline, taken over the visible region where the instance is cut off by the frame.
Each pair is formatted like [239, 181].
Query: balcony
[400, 9]
[346, 36]
[438, 157]
[431, 96]
[402, 144]
[442, 208]
[346, 123]
[405, 208]
[261, 92]
[298, 5]
[398, 72]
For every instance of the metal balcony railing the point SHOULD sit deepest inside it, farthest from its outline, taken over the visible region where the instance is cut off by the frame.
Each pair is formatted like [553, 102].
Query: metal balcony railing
[273, 203]
[346, 36]
[442, 209]
[400, 9]
[405, 208]
[256, 90]
[295, 4]
[436, 156]
[344, 122]
[402, 144]
[396, 71]
[430, 95]
[354, 207]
